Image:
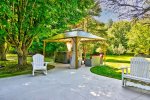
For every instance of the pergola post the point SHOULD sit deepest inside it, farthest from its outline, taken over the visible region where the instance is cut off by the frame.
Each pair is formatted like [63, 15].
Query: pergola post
[105, 52]
[76, 55]
[84, 51]
[44, 45]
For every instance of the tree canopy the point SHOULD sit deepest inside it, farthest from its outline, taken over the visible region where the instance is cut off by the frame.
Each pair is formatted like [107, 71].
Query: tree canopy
[117, 33]
[117, 36]
[24, 20]
[139, 38]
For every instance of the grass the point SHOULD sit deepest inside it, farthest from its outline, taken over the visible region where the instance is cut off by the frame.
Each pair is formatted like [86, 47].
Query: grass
[116, 61]
[12, 69]
[112, 66]
[106, 71]
[110, 69]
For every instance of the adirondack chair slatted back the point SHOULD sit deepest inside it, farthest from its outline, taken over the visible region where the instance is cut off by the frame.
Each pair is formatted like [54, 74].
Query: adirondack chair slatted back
[140, 67]
[38, 60]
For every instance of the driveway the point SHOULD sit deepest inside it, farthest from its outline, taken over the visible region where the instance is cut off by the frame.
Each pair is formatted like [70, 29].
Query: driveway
[62, 83]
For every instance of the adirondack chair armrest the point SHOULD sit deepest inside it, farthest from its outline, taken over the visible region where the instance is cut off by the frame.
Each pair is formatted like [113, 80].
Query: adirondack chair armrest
[32, 63]
[45, 63]
[125, 68]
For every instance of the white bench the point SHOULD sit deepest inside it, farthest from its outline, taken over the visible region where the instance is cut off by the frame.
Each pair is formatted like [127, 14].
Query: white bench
[139, 71]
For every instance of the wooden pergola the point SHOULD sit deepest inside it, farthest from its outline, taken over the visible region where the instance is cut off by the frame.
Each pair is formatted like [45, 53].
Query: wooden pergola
[75, 37]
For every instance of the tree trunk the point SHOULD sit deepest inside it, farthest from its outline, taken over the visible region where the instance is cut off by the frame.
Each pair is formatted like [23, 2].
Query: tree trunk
[3, 56]
[22, 55]
[149, 51]
[22, 60]
[4, 49]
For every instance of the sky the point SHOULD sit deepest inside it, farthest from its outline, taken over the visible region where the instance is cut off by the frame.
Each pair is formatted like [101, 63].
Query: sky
[106, 15]
[107, 6]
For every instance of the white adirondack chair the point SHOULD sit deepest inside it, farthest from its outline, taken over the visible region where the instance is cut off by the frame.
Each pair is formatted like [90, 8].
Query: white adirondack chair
[39, 64]
[139, 71]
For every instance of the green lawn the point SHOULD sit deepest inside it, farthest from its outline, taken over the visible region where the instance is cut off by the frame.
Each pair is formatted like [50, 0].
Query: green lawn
[118, 61]
[110, 69]
[112, 66]
[12, 69]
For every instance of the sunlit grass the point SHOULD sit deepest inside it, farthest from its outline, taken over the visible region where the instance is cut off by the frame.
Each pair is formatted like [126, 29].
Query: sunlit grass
[112, 66]
[118, 61]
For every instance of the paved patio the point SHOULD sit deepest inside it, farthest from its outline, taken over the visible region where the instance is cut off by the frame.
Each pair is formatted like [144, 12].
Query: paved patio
[62, 83]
